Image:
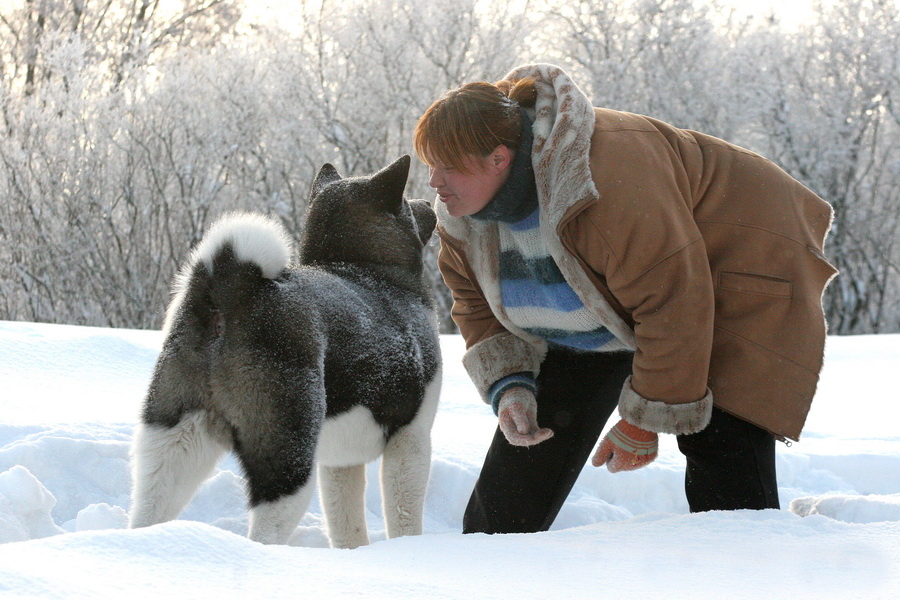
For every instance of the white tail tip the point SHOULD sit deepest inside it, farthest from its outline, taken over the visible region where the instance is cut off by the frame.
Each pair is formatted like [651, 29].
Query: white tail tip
[255, 238]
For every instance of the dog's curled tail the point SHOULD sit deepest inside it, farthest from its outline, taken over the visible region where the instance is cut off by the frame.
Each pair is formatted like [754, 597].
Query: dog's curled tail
[253, 238]
[235, 239]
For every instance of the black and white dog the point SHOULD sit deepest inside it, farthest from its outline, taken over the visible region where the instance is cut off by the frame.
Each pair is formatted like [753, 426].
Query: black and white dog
[330, 363]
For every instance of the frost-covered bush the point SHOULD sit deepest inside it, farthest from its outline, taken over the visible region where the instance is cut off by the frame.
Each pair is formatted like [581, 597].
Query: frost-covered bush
[117, 150]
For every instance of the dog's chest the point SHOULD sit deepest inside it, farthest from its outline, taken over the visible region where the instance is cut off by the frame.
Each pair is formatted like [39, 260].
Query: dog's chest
[351, 438]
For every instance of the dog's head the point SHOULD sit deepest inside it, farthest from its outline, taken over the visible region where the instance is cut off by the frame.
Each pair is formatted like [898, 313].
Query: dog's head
[366, 220]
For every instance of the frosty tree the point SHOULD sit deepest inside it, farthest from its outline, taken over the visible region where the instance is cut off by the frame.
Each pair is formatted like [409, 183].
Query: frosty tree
[129, 126]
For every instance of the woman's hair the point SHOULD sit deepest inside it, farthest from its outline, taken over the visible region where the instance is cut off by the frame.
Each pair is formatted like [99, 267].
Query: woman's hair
[473, 120]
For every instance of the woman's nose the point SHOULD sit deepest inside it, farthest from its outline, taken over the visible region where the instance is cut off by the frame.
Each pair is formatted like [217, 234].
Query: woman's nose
[434, 179]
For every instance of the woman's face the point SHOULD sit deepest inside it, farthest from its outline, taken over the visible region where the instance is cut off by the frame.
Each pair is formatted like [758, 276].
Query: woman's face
[467, 193]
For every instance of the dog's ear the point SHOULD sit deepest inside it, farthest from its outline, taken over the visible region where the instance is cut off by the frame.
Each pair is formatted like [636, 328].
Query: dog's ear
[425, 218]
[388, 184]
[327, 174]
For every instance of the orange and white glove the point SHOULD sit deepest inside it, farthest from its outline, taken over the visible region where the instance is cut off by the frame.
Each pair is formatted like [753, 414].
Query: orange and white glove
[517, 411]
[626, 448]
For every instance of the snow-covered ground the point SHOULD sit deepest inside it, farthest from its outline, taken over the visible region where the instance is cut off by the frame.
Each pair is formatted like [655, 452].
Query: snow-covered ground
[69, 398]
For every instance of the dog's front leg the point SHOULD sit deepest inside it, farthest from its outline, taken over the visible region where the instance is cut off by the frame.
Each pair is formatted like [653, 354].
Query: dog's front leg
[405, 467]
[343, 494]
[404, 478]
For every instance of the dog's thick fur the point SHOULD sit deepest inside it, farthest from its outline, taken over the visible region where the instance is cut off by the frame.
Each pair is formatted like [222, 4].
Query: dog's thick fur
[332, 362]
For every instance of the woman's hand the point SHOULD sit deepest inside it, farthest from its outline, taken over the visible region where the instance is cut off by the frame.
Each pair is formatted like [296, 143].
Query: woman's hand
[518, 418]
[626, 448]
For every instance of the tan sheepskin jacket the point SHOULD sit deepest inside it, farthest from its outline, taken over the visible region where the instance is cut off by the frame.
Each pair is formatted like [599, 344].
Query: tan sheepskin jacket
[703, 257]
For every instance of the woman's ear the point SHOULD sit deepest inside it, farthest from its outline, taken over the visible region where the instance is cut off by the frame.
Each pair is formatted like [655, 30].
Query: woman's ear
[500, 158]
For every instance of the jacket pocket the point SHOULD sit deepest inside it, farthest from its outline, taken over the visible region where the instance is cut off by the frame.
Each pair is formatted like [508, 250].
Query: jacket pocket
[750, 283]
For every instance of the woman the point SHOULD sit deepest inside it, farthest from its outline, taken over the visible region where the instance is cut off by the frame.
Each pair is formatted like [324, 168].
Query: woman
[600, 258]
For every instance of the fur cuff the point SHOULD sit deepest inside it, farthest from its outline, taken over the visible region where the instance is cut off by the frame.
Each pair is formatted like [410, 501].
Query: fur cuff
[496, 357]
[662, 417]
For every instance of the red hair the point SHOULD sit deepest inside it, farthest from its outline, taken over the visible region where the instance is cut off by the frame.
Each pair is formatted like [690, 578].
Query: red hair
[472, 120]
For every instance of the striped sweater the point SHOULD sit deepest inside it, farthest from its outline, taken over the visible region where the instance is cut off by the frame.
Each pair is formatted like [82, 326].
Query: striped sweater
[537, 297]
[535, 294]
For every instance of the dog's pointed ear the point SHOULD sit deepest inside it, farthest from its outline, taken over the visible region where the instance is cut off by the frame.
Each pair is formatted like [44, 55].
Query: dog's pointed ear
[327, 174]
[389, 183]
[426, 220]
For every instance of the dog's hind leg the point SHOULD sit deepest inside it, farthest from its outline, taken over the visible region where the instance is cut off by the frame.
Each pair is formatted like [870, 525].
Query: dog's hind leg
[273, 522]
[405, 467]
[276, 446]
[169, 464]
[343, 494]
[279, 472]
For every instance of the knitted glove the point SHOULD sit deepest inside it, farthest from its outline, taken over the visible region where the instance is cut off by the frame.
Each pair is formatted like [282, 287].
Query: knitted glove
[517, 411]
[626, 448]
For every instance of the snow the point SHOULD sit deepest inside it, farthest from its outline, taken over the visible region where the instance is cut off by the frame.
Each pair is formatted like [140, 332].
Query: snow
[71, 396]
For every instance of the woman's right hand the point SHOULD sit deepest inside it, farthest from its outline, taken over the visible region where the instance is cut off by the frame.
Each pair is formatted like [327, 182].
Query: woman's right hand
[517, 411]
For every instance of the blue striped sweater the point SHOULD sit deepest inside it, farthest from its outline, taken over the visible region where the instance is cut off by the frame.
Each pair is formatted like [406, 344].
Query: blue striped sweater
[534, 292]
[537, 297]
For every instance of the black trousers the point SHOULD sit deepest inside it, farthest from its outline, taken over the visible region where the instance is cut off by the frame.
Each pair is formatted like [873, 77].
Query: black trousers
[730, 464]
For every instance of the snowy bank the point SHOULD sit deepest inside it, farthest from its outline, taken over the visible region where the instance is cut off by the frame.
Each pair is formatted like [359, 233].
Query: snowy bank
[71, 395]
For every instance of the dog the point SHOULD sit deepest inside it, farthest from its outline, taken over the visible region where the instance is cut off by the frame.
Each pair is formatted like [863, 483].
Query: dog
[329, 363]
